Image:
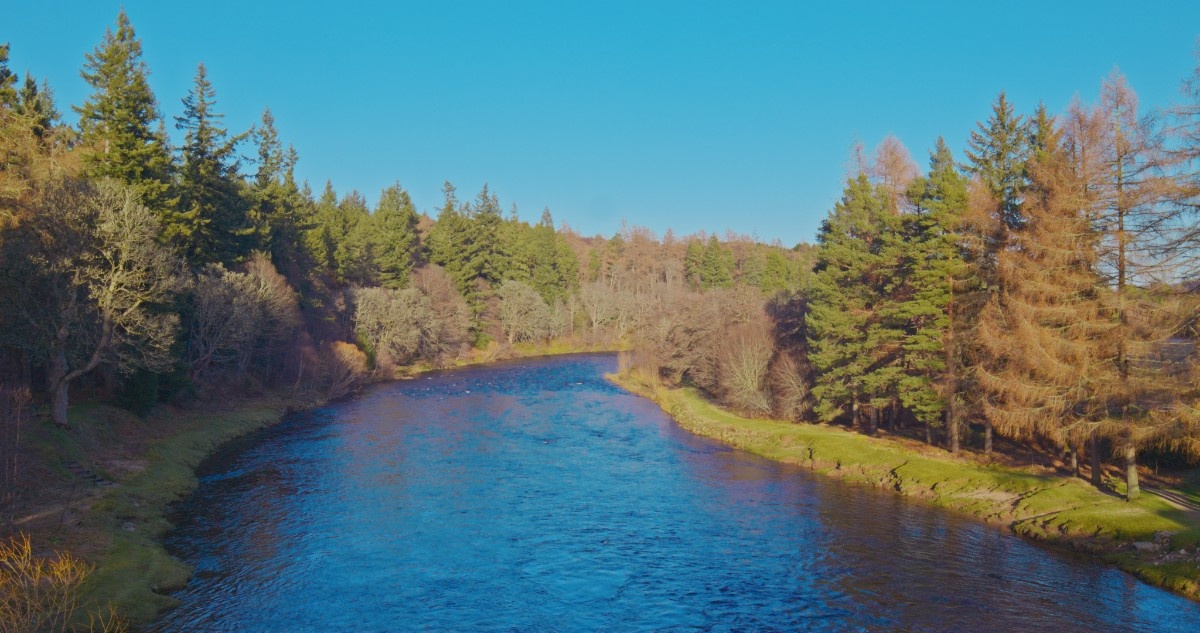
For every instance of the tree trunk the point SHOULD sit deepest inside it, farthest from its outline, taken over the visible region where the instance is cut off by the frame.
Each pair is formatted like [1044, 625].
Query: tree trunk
[952, 425]
[1132, 490]
[56, 385]
[1074, 459]
[987, 437]
[1094, 454]
[928, 434]
[874, 423]
[58, 404]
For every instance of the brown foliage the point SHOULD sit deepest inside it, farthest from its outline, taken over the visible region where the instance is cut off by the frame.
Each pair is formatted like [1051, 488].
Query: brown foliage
[43, 594]
[743, 359]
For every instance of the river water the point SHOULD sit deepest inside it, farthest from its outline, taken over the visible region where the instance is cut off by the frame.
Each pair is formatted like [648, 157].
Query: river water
[535, 496]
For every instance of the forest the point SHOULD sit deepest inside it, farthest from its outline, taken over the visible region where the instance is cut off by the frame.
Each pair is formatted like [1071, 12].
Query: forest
[1040, 292]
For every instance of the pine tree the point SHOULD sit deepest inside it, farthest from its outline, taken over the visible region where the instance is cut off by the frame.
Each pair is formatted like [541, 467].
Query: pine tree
[8, 79]
[692, 259]
[395, 237]
[211, 222]
[37, 104]
[279, 208]
[715, 266]
[927, 302]
[844, 292]
[120, 126]
[997, 153]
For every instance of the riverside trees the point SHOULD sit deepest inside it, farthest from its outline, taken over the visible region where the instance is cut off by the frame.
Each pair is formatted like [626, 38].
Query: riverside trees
[958, 299]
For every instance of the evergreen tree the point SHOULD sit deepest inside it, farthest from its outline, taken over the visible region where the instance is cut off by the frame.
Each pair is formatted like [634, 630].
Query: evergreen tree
[395, 237]
[120, 126]
[544, 273]
[715, 266]
[8, 81]
[692, 260]
[929, 298]
[355, 251]
[489, 255]
[211, 222]
[752, 269]
[37, 104]
[997, 153]
[279, 207]
[326, 232]
[452, 245]
[776, 272]
[844, 295]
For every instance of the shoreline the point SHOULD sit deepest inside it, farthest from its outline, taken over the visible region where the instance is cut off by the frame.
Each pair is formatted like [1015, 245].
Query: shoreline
[1056, 510]
[120, 529]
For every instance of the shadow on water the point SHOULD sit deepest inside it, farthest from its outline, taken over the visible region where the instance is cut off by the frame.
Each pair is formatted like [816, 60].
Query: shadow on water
[536, 496]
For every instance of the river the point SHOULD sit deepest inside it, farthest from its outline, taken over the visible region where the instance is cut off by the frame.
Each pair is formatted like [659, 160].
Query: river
[536, 496]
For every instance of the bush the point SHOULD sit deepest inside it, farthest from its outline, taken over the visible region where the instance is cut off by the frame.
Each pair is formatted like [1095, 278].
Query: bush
[42, 594]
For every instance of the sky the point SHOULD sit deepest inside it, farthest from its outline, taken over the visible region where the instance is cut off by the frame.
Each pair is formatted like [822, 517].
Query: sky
[693, 115]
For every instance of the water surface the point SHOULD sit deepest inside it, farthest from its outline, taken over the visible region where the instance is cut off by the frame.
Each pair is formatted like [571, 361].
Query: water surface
[535, 496]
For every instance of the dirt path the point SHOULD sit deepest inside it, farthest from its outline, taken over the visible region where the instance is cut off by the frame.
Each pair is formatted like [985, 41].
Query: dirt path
[1175, 498]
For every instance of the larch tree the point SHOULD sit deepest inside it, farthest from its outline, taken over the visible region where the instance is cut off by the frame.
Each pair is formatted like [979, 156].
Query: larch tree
[893, 170]
[1131, 191]
[1045, 370]
[120, 126]
[1183, 234]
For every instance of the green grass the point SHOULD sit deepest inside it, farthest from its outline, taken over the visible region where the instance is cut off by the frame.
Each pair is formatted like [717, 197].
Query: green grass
[1056, 509]
[127, 522]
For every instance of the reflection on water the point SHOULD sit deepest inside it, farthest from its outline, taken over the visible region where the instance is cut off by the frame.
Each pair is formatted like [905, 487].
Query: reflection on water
[534, 496]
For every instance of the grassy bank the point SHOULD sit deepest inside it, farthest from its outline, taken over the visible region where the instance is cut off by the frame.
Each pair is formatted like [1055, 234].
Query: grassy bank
[1050, 508]
[145, 465]
[134, 567]
[152, 462]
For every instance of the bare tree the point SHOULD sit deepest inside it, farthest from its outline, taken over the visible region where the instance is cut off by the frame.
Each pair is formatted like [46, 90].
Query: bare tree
[744, 357]
[894, 169]
[451, 313]
[524, 315]
[396, 324]
[86, 273]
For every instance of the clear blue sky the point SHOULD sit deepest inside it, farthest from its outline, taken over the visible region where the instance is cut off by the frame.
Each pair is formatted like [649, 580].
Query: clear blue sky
[691, 115]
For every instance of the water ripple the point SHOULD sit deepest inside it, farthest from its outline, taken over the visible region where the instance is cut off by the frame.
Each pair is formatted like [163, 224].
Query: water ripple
[535, 496]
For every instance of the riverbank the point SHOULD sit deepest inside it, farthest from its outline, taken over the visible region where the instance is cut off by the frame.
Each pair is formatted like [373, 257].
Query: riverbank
[1149, 537]
[106, 485]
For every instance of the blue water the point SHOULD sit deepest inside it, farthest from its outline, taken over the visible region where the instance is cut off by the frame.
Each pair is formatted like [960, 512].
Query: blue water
[535, 496]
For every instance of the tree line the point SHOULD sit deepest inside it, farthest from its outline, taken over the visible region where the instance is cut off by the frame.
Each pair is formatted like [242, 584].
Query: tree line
[156, 272]
[1042, 290]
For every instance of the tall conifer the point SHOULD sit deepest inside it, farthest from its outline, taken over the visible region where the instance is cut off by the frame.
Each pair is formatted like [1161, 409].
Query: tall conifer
[119, 123]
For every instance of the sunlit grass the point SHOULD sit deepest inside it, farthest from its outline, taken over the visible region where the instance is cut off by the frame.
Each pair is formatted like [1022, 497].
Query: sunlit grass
[121, 528]
[1051, 508]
